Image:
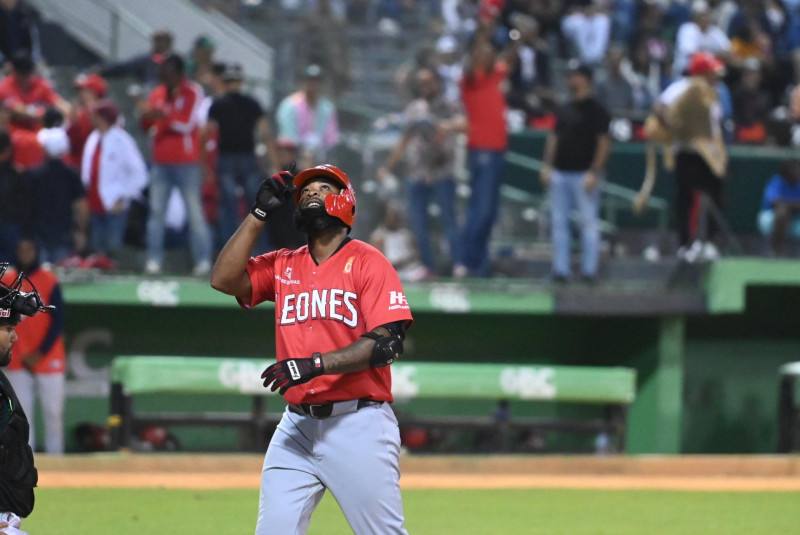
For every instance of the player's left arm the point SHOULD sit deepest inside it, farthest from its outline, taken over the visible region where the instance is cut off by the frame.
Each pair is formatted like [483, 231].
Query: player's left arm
[374, 349]
[377, 348]
[384, 302]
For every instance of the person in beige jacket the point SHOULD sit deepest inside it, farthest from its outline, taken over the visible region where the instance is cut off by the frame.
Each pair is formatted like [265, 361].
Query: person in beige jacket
[687, 121]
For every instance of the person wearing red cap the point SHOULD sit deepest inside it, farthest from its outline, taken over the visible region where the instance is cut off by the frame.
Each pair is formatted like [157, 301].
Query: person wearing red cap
[91, 88]
[113, 172]
[24, 98]
[690, 112]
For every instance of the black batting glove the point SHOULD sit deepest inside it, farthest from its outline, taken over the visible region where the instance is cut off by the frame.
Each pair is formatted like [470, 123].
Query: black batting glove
[288, 373]
[274, 192]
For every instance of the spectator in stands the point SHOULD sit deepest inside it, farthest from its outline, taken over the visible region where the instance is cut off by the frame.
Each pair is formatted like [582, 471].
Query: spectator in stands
[529, 88]
[325, 43]
[14, 201]
[644, 72]
[38, 358]
[573, 169]
[114, 173]
[588, 28]
[171, 114]
[26, 96]
[487, 139]
[91, 88]
[690, 111]
[780, 207]
[405, 76]
[615, 92]
[750, 105]
[145, 67]
[307, 120]
[59, 218]
[459, 17]
[241, 124]
[18, 30]
[431, 125]
[398, 245]
[449, 67]
[200, 64]
[750, 41]
[209, 147]
[699, 35]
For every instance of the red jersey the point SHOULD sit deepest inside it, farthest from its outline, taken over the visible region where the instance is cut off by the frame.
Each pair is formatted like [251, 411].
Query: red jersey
[28, 152]
[320, 308]
[176, 137]
[485, 107]
[33, 330]
[37, 97]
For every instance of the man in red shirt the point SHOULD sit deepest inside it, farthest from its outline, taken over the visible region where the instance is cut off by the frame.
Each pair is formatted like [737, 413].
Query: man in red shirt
[484, 105]
[172, 116]
[27, 95]
[340, 316]
[24, 97]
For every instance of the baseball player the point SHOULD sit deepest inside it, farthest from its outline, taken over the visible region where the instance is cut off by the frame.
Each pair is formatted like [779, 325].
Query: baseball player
[18, 475]
[340, 316]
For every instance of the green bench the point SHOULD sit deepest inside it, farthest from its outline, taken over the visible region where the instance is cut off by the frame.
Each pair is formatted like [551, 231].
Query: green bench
[613, 388]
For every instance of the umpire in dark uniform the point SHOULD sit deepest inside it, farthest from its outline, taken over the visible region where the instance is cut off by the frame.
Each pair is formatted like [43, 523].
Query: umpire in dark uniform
[18, 475]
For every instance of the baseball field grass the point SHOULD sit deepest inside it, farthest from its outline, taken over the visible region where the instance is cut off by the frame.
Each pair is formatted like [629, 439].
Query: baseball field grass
[435, 512]
[177, 494]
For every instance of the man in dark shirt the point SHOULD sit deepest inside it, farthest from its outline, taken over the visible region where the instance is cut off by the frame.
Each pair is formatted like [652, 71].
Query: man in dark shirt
[14, 201]
[60, 213]
[236, 118]
[144, 67]
[574, 161]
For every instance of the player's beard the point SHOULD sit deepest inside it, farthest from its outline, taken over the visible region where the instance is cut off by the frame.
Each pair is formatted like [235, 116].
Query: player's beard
[5, 357]
[315, 220]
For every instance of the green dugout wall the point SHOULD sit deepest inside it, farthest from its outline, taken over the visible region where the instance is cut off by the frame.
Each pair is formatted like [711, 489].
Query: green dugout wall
[707, 363]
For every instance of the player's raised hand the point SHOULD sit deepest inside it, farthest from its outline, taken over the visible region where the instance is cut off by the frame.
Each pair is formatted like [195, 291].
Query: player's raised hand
[274, 192]
[288, 373]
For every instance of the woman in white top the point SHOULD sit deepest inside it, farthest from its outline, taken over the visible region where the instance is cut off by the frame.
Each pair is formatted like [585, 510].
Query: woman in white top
[113, 172]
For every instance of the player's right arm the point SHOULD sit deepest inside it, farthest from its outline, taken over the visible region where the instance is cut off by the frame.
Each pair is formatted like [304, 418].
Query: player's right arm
[229, 274]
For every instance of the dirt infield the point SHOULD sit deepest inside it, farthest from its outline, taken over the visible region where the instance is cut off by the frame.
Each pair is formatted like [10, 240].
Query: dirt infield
[203, 471]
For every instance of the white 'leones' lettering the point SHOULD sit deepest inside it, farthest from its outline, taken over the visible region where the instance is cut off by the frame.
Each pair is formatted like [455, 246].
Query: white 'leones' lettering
[302, 307]
[318, 303]
[287, 317]
[334, 304]
[352, 320]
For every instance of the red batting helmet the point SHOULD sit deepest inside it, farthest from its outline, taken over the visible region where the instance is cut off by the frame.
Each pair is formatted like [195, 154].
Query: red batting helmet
[704, 63]
[341, 206]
